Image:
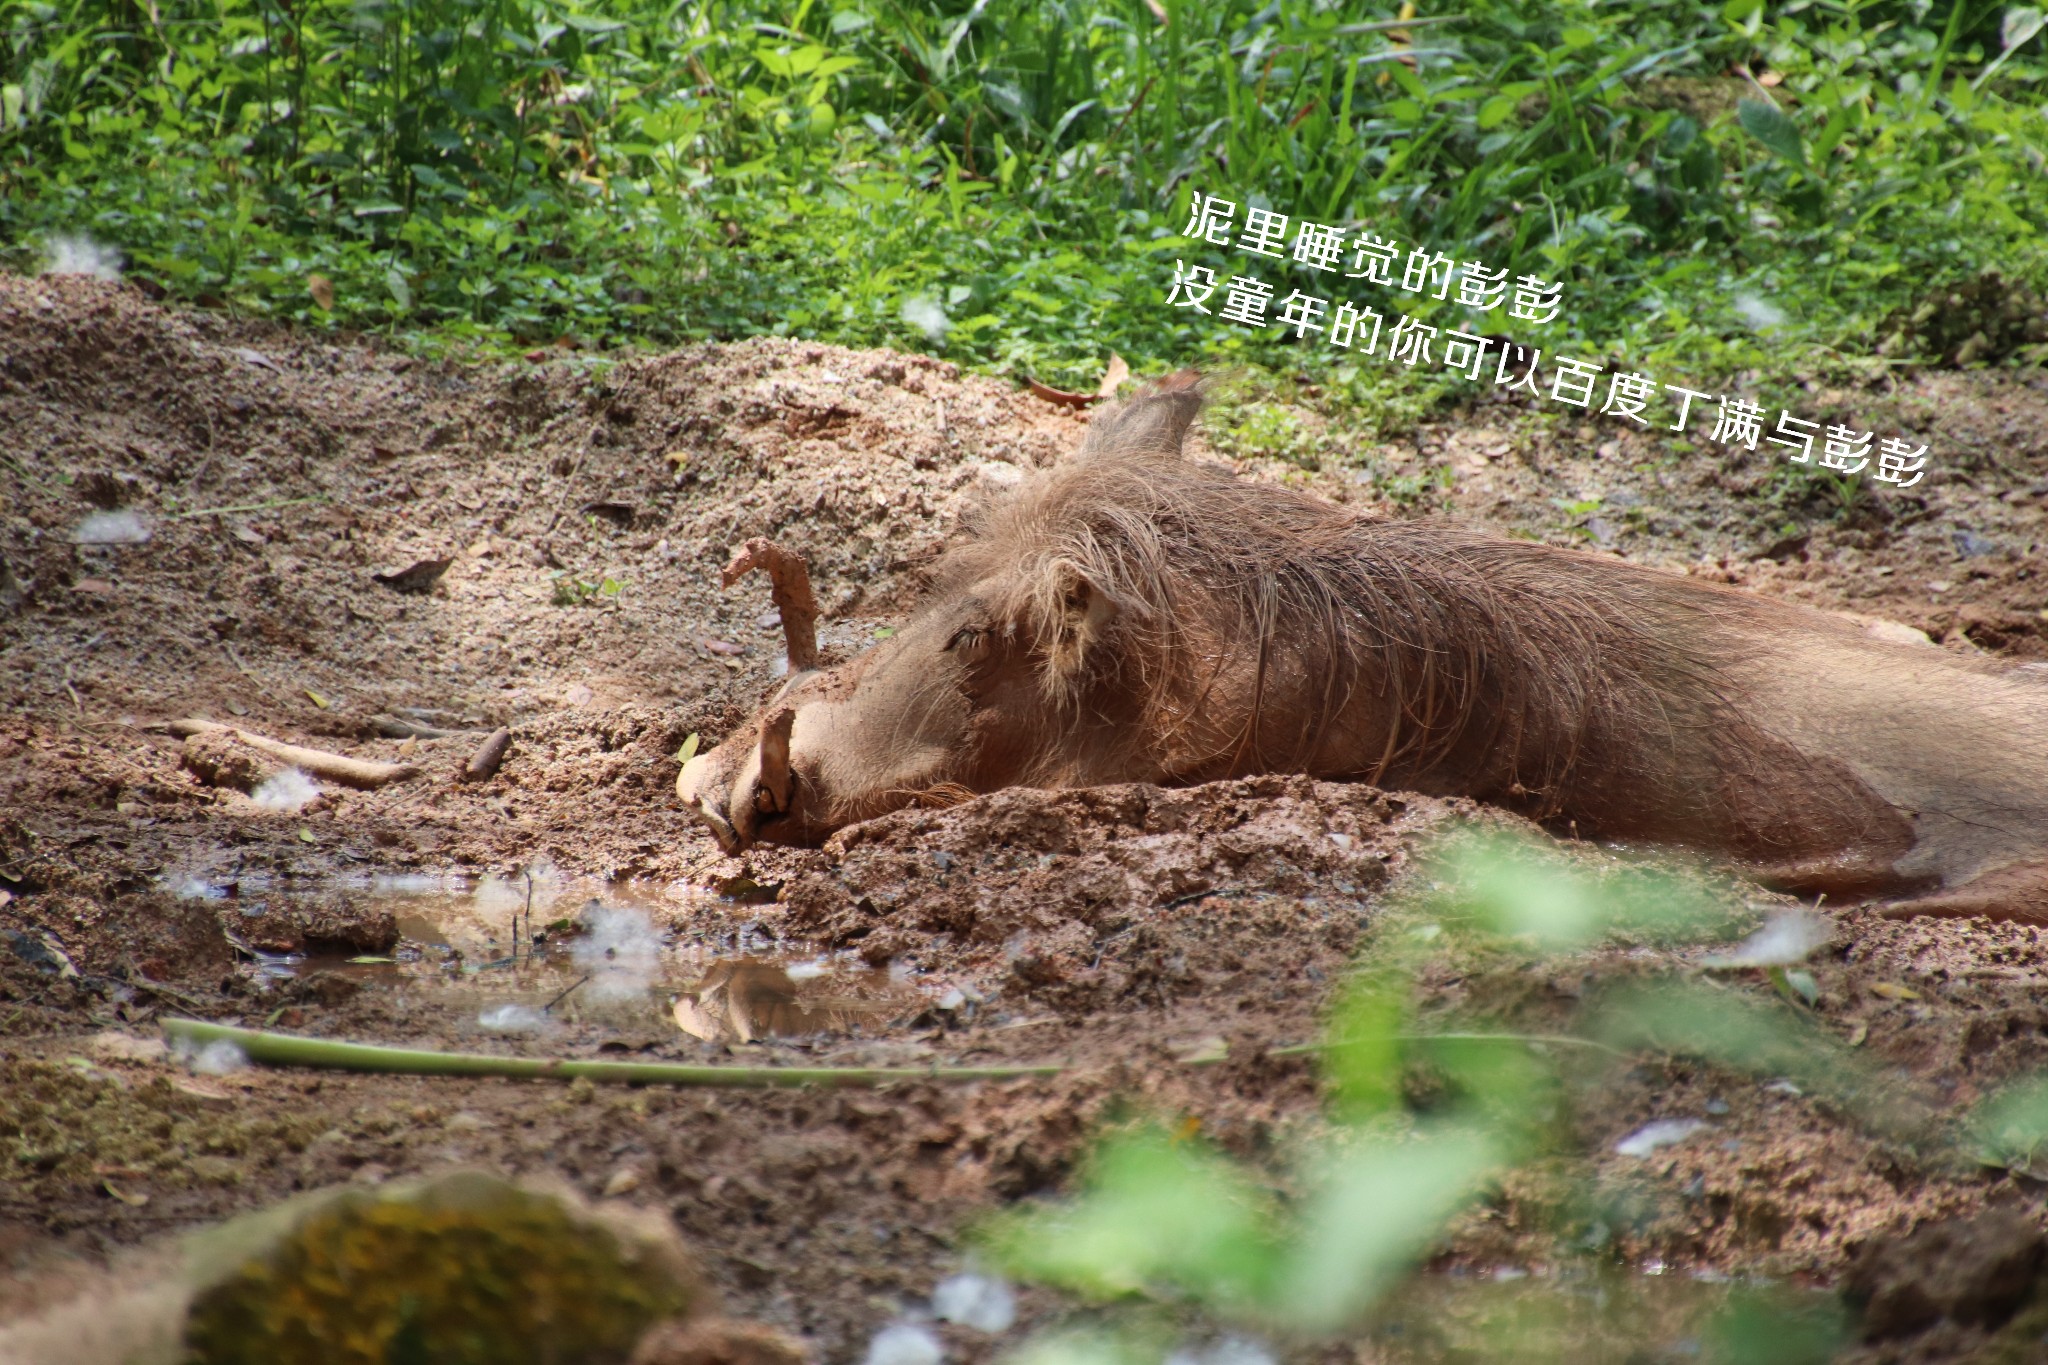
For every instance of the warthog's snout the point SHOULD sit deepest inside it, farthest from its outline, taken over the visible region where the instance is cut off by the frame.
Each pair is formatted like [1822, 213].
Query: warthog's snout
[742, 793]
[708, 798]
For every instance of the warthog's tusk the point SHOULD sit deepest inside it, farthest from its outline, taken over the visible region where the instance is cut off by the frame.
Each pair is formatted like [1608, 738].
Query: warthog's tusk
[790, 583]
[690, 784]
[722, 833]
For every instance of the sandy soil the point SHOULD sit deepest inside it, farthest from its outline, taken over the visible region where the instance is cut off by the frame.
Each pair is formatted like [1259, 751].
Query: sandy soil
[584, 511]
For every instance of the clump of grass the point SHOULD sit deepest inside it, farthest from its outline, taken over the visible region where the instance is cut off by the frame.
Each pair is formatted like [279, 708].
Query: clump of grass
[527, 171]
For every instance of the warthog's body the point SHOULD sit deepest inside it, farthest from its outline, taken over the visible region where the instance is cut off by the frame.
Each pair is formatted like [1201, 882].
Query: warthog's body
[1134, 616]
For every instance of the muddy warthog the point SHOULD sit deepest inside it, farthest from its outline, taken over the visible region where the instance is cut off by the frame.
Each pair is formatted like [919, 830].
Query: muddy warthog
[1134, 616]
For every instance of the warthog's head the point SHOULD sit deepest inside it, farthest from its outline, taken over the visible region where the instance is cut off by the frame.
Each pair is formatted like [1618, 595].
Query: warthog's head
[998, 679]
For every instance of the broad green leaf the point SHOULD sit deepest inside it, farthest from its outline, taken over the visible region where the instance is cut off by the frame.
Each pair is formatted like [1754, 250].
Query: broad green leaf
[1156, 1212]
[2021, 22]
[1495, 111]
[1369, 1215]
[1362, 1060]
[1770, 125]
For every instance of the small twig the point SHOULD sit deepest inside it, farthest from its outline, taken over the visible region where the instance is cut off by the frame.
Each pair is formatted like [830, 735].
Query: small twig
[135, 979]
[1742, 70]
[250, 674]
[529, 921]
[569, 484]
[283, 1049]
[243, 507]
[1143, 91]
[547, 1008]
[29, 478]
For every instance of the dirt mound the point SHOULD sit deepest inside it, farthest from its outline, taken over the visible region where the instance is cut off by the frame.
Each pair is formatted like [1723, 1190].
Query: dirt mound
[342, 461]
[1042, 878]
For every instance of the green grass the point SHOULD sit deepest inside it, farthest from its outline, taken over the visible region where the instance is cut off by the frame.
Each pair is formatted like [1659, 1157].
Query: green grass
[525, 172]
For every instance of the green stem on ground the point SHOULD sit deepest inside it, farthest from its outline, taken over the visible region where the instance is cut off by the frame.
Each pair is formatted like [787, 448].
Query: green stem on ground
[243, 507]
[1551, 1039]
[284, 1049]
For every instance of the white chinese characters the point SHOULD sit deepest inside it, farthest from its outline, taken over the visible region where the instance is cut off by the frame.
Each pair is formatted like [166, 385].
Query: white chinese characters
[1333, 252]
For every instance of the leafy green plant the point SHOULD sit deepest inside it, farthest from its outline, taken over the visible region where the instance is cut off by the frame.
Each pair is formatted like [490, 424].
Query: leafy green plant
[526, 171]
[1326, 1243]
[567, 590]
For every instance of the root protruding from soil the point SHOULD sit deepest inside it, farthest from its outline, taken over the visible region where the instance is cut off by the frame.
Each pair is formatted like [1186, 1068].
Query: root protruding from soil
[790, 584]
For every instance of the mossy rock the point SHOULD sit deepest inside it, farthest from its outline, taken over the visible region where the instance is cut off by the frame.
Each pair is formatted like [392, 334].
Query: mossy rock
[460, 1269]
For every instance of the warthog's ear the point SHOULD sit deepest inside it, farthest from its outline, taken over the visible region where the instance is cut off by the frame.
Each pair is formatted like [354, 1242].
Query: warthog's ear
[1155, 422]
[1081, 614]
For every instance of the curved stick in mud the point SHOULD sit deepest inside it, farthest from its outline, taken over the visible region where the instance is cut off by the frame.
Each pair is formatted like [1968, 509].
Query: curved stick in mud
[789, 579]
[367, 774]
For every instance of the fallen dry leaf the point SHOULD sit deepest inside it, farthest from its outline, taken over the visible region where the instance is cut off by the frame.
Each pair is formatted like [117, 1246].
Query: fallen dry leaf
[1891, 990]
[698, 1023]
[420, 576]
[203, 1091]
[126, 1047]
[134, 1201]
[1113, 376]
[1053, 395]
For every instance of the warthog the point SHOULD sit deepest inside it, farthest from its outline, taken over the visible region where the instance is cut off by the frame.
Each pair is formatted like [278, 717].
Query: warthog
[1134, 616]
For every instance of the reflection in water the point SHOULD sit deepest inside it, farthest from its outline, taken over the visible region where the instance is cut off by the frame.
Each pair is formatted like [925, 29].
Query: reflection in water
[519, 952]
[743, 999]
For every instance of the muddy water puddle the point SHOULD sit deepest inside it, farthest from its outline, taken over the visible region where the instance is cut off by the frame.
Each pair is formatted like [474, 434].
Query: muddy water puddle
[530, 952]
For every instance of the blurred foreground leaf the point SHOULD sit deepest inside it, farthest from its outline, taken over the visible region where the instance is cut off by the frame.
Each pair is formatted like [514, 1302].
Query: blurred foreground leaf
[1370, 1213]
[2010, 1128]
[1155, 1214]
[1765, 1039]
[1529, 889]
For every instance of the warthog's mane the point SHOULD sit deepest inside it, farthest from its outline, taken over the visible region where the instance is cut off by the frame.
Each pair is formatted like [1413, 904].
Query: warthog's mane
[1548, 669]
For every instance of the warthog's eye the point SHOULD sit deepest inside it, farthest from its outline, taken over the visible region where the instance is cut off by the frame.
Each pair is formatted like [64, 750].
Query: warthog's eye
[968, 640]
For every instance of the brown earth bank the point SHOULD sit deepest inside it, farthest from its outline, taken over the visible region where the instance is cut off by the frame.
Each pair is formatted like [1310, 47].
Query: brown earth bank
[298, 495]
